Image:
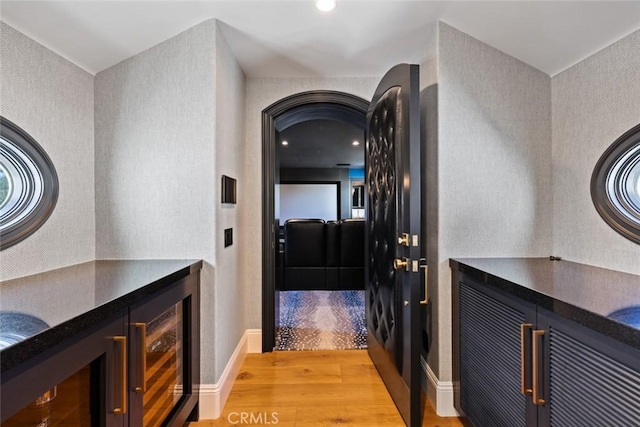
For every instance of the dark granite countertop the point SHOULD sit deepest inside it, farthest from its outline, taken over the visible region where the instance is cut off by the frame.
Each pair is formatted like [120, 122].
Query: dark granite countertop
[604, 300]
[40, 311]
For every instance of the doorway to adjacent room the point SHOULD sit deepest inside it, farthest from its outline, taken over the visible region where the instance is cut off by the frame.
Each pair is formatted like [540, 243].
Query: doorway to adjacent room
[313, 259]
[391, 230]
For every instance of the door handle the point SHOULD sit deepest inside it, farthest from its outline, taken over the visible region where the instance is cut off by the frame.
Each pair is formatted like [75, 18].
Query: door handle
[122, 409]
[536, 368]
[425, 301]
[403, 239]
[400, 263]
[142, 327]
[523, 357]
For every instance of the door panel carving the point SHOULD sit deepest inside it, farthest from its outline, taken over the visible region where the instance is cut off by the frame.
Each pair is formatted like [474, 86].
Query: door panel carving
[393, 177]
[384, 293]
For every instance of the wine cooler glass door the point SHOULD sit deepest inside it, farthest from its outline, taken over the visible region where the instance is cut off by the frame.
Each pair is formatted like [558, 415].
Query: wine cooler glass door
[161, 360]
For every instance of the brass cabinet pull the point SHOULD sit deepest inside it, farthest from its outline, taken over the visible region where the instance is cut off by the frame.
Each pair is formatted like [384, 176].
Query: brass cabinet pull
[523, 357]
[536, 368]
[122, 409]
[425, 301]
[403, 239]
[143, 356]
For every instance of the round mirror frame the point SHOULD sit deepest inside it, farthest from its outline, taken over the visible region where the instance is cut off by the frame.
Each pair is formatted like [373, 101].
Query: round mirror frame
[610, 185]
[34, 217]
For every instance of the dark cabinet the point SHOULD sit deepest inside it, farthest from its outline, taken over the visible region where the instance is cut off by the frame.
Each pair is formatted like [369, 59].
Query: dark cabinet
[82, 385]
[138, 368]
[164, 369]
[520, 365]
[491, 367]
[589, 379]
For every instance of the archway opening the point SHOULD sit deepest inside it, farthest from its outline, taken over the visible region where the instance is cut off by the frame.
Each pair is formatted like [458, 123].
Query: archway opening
[282, 115]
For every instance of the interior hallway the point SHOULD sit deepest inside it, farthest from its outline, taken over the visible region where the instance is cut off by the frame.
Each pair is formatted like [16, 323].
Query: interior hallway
[314, 388]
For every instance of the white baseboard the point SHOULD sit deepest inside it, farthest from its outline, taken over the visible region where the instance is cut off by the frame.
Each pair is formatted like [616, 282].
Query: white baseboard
[214, 396]
[439, 393]
[209, 402]
[254, 340]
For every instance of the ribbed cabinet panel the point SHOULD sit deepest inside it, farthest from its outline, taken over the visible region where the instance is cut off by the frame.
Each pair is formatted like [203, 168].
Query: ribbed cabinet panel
[490, 360]
[589, 388]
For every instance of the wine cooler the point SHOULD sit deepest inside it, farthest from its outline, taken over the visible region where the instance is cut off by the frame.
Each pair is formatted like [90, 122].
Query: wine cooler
[161, 373]
[161, 357]
[138, 368]
[66, 405]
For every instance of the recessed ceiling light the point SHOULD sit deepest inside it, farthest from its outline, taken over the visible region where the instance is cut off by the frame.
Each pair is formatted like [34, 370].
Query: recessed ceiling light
[326, 5]
[355, 143]
[285, 143]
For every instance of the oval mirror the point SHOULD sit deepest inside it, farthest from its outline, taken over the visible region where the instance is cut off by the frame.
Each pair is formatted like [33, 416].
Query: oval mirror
[615, 185]
[28, 184]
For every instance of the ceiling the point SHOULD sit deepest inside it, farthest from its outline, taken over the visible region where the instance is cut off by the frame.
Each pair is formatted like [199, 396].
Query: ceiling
[293, 38]
[321, 144]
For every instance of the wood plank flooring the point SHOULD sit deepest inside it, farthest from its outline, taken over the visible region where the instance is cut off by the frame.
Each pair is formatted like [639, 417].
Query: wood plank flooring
[313, 388]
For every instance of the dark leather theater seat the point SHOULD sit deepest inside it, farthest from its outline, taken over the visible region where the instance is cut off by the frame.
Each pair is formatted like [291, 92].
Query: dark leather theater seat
[352, 254]
[305, 254]
[319, 255]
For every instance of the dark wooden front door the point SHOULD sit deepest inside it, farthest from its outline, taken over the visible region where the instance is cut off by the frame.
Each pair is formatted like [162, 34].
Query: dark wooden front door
[392, 283]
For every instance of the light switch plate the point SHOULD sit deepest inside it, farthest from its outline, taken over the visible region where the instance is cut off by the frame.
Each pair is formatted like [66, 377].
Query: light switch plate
[228, 237]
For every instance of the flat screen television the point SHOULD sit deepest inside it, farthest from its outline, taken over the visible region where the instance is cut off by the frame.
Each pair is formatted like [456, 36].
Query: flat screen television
[228, 190]
[310, 200]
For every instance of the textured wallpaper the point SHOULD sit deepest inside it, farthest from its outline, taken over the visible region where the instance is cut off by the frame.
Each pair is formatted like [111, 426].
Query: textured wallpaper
[430, 222]
[261, 93]
[594, 102]
[494, 160]
[52, 100]
[155, 156]
[155, 152]
[231, 299]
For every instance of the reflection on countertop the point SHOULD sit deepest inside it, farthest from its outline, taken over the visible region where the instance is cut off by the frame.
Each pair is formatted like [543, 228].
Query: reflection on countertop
[76, 297]
[586, 294]
[628, 315]
[15, 327]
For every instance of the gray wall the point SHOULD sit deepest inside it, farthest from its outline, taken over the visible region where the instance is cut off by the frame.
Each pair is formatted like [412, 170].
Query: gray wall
[510, 152]
[429, 142]
[52, 100]
[261, 93]
[494, 163]
[230, 297]
[594, 102]
[323, 174]
[169, 122]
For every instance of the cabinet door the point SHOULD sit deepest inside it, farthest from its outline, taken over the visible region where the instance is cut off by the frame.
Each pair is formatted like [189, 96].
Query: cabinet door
[492, 359]
[590, 380]
[82, 383]
[163, 384]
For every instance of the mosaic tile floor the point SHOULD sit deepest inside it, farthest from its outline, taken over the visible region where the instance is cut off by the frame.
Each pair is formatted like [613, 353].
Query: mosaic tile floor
[321, 320]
